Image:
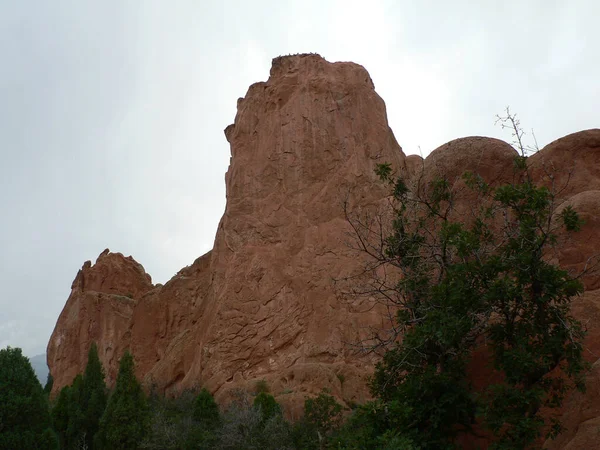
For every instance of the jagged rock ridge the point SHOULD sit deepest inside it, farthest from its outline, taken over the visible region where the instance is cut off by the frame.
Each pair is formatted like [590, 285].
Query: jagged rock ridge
[261, 304]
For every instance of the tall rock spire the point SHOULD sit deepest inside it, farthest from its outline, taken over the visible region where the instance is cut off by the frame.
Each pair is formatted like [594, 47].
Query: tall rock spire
[262, 304]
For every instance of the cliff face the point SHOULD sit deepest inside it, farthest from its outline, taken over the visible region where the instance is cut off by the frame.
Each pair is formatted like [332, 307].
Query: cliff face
[101, 305]
[261, 304]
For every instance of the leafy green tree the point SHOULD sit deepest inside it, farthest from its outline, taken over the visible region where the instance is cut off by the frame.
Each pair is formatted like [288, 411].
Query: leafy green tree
[93, 395]
[373, 425]
[244, 426]
[176, 422]
[206, 410]
[323, 411]
[464, 280]
[322, 418]
[126, 420]
[24, 412]
[267, 405]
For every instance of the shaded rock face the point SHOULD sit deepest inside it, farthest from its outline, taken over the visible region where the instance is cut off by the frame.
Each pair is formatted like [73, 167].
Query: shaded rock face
[261, 304]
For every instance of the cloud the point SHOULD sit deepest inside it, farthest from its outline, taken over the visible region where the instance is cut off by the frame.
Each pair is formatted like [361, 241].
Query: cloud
[16, 331]
[111, 124]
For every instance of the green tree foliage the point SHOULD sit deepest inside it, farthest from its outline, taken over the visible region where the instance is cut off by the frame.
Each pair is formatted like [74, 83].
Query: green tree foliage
[24, 413]
[126, 420]
[60, 415]
[75, 433]
[373, 425]
[244, 425]
[77, 411]
[322, 418]
[323, 412]
[49, 384]
[467, 280]
[93, 395]
[206, 411]
[182, 422]
[68, 416]
[267, 405]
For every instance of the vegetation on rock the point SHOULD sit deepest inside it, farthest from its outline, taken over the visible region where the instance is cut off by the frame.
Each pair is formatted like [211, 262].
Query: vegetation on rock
[473, 280]
[464, 279]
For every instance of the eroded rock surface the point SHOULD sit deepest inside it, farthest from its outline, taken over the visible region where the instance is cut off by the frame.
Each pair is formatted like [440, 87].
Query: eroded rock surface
[100, 308]
[261, 304]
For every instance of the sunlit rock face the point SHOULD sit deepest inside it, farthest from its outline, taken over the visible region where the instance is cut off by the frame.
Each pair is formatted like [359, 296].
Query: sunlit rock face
[262, 304]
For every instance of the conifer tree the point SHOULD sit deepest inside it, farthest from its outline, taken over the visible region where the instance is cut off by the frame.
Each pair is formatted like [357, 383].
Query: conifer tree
[125, 421]
[79, 407]
[94, 396]
[206, 410]
[49, 384]
[60, 415]
[24, 413]
[75, 432]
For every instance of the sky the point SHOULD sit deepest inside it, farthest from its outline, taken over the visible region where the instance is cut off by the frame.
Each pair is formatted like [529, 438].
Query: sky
[112, 112]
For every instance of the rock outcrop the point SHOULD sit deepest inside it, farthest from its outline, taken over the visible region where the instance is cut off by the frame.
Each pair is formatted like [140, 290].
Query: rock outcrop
[100, 308]
[262, 304]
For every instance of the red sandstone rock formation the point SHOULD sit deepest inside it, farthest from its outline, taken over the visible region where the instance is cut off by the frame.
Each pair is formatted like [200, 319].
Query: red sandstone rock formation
[100, 308]
[261, 304]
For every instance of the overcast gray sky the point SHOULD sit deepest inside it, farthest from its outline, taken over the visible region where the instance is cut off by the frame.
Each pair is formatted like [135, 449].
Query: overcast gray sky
[112, 112]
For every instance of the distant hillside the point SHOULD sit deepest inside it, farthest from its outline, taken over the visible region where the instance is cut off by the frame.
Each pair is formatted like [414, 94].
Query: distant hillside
[40, 367]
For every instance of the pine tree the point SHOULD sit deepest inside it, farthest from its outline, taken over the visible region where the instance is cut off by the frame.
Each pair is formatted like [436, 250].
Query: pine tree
[48, 385]
[24, 412]
[75, 432]
[80, 406]
[94, 395]
[60, 415]
[125, 421]
[67, 415]
[206, 410]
